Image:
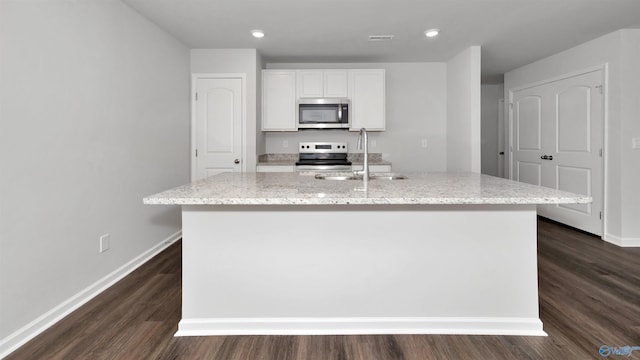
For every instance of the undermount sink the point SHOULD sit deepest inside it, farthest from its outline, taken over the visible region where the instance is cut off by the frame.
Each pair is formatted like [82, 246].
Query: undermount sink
[387, 176]
[350, 176]
[337, 177]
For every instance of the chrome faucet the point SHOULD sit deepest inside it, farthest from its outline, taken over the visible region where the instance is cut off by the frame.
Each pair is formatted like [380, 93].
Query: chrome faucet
[364, 139]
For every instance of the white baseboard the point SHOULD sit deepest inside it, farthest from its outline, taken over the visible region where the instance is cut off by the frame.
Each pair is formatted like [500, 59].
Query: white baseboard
[45, 321]
[361, 326]
[621, 241]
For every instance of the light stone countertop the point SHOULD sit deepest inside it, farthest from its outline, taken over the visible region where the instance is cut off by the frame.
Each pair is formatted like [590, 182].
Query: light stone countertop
[420, 188]
[290, 159]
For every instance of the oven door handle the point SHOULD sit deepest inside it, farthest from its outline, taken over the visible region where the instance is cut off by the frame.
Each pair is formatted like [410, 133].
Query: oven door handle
[323, 168]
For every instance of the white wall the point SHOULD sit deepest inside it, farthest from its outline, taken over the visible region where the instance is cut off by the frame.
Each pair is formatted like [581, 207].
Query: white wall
[620, 51]
[463, 111]
[261, 142]
[94, 116]
[245, 61]
[630, 169]
[491, 93]
[416, 110]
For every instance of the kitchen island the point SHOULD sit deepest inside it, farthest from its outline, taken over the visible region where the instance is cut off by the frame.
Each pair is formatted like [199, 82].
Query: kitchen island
[437, 253]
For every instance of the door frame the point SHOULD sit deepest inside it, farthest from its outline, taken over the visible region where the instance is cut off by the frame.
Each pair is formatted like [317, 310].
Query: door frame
[194, 79]
[501, 138]
[605, 124]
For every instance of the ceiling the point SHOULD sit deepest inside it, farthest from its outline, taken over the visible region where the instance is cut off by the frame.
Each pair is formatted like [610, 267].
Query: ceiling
[512, 33]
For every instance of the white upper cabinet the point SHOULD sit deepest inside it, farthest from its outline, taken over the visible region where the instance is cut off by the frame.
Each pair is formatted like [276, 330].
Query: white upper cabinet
[322, 83]
[310, 84]
[367, 94]
[365, 88]
[336, 83]
[279, 100]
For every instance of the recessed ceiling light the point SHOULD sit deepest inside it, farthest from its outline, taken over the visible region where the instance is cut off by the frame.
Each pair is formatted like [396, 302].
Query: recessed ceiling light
[432, 32]
[257, 33]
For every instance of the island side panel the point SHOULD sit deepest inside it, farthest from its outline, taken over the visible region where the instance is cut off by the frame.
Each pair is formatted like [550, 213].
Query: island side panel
[307, 269]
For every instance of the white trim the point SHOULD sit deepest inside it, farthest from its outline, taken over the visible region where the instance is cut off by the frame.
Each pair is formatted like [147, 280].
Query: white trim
[605, 148]
[620, 241]
[501, 139]
[561, 77]
[196, 76]
[48, 319]
[509, 125]
[361, 326]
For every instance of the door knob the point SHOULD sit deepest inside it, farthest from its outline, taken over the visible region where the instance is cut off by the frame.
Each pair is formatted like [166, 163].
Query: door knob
[236, 161]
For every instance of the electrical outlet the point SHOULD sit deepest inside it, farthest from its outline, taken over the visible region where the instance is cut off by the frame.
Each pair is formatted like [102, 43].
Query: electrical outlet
[374, 143]
[424, 143]
[285, 143]
[635, 143]
[105, 242]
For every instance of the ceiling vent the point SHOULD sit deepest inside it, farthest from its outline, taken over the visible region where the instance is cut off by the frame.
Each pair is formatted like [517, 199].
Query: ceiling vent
[380, 37]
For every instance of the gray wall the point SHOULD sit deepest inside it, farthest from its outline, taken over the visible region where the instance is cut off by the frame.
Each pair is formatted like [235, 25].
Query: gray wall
[463, 111]
[416, 110]
[245, 61]
[489, 129]
[620, 51]
[94, 116]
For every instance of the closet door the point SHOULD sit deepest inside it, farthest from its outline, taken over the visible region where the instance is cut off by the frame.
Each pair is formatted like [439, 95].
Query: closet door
[557, 143]
[218, 119]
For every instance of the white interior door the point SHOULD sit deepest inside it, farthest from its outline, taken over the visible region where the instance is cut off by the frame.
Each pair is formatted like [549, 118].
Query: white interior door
[557, 143]
[219, 106]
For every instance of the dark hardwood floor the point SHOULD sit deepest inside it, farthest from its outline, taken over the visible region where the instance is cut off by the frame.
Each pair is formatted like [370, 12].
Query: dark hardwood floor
[589, 297]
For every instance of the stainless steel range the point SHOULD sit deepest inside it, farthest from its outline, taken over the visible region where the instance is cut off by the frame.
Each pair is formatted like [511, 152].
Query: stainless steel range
[323, 156]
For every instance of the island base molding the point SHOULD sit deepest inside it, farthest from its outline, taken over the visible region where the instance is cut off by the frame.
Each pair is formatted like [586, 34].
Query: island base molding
[359, 326]
[359, 269]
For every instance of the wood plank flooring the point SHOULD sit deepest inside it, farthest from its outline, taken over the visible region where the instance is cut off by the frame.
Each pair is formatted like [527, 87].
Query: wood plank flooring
[589, 297]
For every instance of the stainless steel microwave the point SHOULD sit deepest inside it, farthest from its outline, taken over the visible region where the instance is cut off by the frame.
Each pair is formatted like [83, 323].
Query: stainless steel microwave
[327, 113]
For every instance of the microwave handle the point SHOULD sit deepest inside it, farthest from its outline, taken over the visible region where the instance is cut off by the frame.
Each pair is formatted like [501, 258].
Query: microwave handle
[339, 112]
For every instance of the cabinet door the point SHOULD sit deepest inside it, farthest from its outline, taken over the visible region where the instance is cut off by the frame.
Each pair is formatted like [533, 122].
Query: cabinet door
[279, 100]
[367, 94]
[335, 83]
[322, 83]
[310, 84]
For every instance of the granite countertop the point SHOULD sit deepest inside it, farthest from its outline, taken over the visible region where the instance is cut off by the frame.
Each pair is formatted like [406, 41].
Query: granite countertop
[277, 159]
[290, 159]
[419, 188]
